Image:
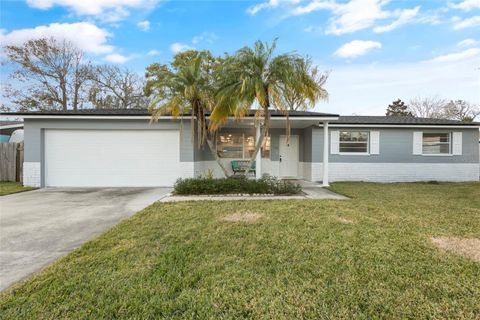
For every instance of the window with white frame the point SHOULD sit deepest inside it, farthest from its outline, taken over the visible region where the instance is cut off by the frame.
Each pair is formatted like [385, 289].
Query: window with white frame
[353, 142]
[240, 146]
[436, 143]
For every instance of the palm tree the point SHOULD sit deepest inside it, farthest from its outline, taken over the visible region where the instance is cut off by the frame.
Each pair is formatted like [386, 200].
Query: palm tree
[255, 75]
[185, 87]
[307, 72]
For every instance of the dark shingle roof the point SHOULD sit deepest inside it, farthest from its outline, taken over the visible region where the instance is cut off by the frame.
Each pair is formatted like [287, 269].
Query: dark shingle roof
[396, 120]
[144, 112]
[359, 120]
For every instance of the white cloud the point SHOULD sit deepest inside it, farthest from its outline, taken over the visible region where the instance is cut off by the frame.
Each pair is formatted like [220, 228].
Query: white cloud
[178, 47]
[253, 10]
[405, 17]
[116, 58]
[368, 89]
[269, 4]
[85, 35]
[466, 5]
[458, 56]
[356, 48]
[315, 5]
[466, 23]
[153, 52]
[208, 37]
[108, 10]
[144, 25]
[468, 43]
[356, 15]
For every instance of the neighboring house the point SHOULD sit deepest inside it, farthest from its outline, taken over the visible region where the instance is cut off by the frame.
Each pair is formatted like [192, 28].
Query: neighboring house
[7, 128]
[100, 148]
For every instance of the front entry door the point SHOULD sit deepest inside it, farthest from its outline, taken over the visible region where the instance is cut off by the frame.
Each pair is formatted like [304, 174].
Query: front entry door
[288, 157]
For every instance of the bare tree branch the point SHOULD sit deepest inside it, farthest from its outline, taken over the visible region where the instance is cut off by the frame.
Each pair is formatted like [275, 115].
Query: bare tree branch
[50, 74]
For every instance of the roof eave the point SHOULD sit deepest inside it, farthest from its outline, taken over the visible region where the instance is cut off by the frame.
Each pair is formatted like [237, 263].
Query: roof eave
[411, 125]
[126, 117]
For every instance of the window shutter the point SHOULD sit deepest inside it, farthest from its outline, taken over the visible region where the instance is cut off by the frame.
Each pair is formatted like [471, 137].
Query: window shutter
[334, 142]
[374, 142]
[457, 143]
[417, 142]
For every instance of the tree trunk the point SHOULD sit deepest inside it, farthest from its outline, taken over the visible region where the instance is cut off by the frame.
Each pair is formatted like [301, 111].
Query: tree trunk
[75, 96]
[63, 87]
[211, 146]
[266, 126]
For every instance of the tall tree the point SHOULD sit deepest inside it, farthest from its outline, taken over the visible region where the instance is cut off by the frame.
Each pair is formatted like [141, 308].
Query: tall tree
[113, 87]
[398, 108]
[185, 87]
[49, 75]
[295, 99]
[461, 110]
[428, 107]
[257, 76]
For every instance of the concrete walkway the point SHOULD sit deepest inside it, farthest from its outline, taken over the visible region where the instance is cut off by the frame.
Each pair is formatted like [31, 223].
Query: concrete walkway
[37, 227]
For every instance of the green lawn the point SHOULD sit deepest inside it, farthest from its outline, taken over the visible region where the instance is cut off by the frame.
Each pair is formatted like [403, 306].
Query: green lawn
[12, 187]
[183, 261]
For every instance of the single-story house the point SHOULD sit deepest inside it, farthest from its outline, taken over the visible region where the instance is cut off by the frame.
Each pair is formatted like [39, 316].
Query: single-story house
[103, 148]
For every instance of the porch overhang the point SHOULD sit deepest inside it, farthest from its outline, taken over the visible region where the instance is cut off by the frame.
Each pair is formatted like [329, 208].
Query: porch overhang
[279, 122]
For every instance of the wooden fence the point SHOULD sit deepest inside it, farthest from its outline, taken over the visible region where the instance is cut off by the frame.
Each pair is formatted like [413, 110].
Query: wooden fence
[11, 161]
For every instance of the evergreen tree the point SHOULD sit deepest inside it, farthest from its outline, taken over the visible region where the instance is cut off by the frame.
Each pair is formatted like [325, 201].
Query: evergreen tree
[398, 108]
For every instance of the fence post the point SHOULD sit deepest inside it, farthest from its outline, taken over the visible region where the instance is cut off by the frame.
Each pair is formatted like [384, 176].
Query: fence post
[19, 163]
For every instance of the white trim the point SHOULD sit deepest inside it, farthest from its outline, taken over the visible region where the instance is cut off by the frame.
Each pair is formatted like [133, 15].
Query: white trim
[354, 153]
[10, 126]
[258, 158]
[456, 144]
[403, 126]
[302, 118]
[325, 155]
[37, 116]
[436, 154]
[272, 118]
[417, 143]
[93, 117]
[334, 142]
[374, 142]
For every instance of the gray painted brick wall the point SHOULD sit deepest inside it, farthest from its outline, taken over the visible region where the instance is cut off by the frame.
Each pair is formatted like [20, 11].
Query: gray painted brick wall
[34, 129]
[396, 146]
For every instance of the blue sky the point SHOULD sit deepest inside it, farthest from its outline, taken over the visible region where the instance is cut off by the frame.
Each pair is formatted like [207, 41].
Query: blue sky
[376, 50]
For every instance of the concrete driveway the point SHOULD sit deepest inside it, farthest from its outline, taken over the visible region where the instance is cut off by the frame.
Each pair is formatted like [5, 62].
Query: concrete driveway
[38, 227]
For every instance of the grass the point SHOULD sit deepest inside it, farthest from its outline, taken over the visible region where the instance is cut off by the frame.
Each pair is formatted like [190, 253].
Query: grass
[297, 260]
[12, 187]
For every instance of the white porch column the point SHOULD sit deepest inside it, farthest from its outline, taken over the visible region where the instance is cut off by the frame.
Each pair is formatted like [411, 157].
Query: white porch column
[258, 159]
[325, 154]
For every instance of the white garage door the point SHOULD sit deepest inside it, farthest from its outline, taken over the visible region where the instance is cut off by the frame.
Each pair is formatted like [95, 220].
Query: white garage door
[111, 158]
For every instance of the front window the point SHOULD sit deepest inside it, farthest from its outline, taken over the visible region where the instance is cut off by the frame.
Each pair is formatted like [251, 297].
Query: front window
[436, 143]
[240, 146]
[354, 142]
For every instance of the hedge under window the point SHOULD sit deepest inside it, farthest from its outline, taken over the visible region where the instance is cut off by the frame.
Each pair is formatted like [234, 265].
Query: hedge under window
[354, 141]
[436, 143]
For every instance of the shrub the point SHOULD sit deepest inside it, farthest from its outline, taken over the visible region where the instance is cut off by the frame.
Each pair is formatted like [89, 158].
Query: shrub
[235, 185]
